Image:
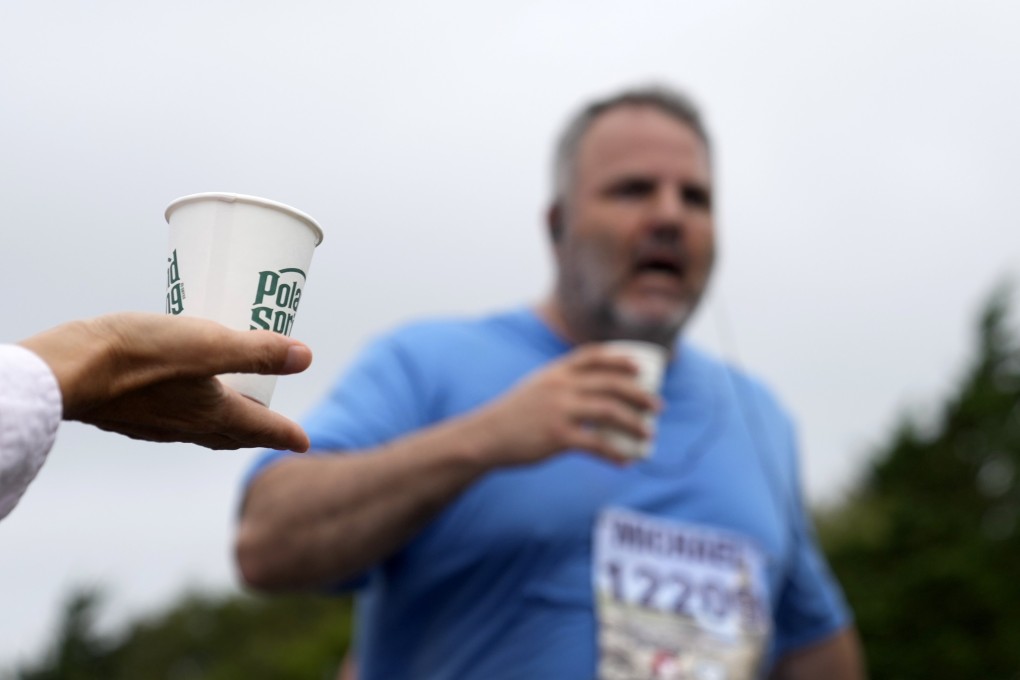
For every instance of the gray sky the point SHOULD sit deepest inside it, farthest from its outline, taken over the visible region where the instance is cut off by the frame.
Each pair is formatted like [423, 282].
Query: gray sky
[867, 157]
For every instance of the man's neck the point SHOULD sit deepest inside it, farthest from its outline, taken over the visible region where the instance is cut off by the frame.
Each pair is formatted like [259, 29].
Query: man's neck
[551, 312]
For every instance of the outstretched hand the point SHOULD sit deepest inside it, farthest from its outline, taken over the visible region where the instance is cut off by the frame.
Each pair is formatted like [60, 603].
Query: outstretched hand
[152, 377]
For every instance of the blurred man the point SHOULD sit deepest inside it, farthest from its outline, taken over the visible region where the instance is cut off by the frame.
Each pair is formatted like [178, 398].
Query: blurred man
[491, 530]
[142, 375]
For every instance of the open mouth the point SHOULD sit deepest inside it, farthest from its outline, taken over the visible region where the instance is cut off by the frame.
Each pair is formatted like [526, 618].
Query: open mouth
[670, 266]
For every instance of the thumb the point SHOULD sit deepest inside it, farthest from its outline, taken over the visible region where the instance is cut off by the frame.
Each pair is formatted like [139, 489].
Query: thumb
[261, 352]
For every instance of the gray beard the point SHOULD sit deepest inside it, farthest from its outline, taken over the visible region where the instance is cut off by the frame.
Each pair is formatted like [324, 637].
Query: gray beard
[593, 312]
[613, 323]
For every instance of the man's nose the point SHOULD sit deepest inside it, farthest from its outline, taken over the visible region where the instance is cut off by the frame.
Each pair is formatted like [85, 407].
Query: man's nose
[667, 210]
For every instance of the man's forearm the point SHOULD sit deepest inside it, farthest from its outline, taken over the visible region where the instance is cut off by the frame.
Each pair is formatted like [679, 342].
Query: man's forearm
[320, 519]
[317, 519]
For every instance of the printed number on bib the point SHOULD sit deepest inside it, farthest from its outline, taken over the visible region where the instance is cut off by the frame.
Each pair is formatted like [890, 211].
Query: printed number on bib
[677, 601]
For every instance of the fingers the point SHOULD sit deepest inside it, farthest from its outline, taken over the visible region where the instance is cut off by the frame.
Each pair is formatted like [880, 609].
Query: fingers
[259, 428]
[262, 352]
[595, 442]
[198, 411]
[608, 413]
[589, 392]
[622, 388]
[150, 376]
[152, 433]
[254, 425]
[299, 357]
[607, 394]
[597, 357]
[152, 347]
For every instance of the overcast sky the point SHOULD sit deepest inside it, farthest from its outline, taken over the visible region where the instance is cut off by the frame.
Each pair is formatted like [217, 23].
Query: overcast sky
[867, 159]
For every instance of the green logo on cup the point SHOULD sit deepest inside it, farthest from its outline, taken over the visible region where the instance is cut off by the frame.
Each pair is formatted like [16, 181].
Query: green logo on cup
[276, 300]
[174, 286]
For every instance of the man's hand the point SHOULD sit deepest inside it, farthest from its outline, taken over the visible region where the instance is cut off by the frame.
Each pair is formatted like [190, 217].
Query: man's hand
[564, 406]
[152, 377]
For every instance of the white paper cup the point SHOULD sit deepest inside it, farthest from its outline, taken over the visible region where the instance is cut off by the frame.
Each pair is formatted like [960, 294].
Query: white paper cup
[241, 261]
[651, 362]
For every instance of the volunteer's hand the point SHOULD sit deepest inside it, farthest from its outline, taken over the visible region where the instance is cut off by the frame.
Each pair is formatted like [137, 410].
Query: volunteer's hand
[152, 377]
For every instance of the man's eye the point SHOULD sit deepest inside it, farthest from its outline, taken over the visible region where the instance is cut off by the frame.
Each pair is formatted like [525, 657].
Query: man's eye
[696, 196]
[635, 188]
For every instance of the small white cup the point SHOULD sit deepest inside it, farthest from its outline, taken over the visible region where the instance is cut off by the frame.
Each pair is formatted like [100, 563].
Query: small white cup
[242, 261]
[651, 362]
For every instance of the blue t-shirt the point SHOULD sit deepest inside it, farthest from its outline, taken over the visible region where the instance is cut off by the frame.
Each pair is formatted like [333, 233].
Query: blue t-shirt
[499, 585]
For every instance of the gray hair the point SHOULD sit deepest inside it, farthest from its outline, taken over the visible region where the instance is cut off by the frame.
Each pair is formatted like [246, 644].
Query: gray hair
[670, 102]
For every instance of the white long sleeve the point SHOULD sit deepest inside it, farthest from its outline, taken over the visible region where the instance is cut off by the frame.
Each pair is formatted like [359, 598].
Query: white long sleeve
[30, 411]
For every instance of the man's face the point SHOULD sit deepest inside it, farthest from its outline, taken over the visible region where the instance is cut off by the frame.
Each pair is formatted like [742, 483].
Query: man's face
[637, 241]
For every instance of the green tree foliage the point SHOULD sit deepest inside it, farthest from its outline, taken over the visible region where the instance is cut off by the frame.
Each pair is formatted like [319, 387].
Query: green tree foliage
[927, 548]
[79, 653]
[202, 637]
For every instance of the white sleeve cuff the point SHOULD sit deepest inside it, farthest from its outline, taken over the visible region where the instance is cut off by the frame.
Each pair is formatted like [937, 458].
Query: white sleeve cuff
[30, 410]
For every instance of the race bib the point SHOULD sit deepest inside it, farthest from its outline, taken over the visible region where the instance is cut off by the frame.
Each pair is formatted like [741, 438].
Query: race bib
[677, 601]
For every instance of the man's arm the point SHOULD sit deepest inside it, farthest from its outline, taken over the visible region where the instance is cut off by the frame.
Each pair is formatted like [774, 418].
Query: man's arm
[319, 519]
[836, 658]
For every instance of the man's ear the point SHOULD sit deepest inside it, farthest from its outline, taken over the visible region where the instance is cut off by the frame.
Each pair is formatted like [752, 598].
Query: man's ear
[554, 221]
